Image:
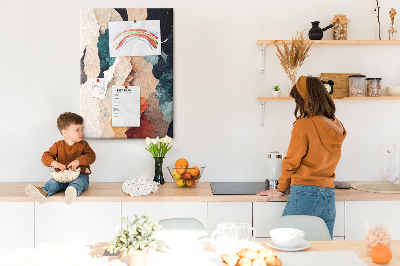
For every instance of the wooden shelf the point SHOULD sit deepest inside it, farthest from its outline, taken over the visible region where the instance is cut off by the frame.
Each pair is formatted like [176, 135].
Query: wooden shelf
[339, 42]
[335, 98]
[264, 99]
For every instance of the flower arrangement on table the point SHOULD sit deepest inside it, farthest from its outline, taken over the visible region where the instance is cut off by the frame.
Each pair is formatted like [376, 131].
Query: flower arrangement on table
[136, 235]
[158, 148]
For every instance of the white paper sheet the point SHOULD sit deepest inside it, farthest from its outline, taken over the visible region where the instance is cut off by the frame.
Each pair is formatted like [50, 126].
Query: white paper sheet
[130, 38]
[99, 87]
[126, 106]
[314, 258]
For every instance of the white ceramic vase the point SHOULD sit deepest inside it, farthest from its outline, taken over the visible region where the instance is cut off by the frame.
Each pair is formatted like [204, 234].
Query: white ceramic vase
[276, 93]
[138, 257]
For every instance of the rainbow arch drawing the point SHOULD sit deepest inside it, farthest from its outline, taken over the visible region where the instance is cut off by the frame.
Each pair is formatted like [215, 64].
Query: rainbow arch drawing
[127, 35]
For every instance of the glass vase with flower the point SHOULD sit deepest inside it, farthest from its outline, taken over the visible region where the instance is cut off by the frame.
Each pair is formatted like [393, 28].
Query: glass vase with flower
[158, 148]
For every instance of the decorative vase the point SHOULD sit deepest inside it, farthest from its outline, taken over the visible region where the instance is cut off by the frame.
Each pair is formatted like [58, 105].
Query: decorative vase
[138, 257]
[276, 93]
[158, 174]
[392, 32]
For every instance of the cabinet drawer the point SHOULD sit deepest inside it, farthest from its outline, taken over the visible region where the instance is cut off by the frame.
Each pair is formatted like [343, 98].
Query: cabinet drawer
[16, 216]
[79, 222]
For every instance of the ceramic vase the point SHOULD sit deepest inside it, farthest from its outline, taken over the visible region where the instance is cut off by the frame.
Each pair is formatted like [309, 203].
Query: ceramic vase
[138, 257]
[276, 93]
[158, 174]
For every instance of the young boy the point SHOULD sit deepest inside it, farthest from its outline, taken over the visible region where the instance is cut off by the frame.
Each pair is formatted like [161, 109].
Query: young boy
[68, 153]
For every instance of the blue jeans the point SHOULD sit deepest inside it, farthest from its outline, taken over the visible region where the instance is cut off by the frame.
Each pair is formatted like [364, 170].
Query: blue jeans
[80, 184]
[314, 201]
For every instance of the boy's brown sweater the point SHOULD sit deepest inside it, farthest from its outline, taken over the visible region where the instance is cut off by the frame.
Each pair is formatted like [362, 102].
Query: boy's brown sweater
[313, 154]
[65, 154]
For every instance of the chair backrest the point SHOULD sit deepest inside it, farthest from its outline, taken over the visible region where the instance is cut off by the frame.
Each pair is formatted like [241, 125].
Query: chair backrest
[314, 227]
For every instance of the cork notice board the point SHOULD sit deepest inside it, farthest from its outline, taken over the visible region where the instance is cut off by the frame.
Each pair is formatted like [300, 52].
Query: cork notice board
[341, 80]
[126, 59]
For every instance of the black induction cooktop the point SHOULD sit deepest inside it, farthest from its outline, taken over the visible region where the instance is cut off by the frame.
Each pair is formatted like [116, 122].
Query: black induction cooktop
[237, 188]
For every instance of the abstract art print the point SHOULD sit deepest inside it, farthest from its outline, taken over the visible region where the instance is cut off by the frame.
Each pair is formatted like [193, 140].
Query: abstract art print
[126, 58]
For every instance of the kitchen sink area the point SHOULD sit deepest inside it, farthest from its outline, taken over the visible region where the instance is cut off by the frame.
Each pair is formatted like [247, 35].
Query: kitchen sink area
[377, 186]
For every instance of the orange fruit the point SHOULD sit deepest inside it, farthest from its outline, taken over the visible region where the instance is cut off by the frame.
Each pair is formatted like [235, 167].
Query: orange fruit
[182, 163]
[381, 254]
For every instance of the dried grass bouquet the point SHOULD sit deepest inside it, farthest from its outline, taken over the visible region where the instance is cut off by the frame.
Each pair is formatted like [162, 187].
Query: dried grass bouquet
[292, 58]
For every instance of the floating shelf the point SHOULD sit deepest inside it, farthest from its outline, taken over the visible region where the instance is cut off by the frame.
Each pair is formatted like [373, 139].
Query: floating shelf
[338, 42]
[264, 43]
[264, 99]
[335, 98]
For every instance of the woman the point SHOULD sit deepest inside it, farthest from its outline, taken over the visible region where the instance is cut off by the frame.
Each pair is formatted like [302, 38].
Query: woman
[313, 154]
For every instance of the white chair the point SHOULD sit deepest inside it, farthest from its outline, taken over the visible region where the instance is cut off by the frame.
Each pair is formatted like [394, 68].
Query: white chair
[314, 227]
[182, 233]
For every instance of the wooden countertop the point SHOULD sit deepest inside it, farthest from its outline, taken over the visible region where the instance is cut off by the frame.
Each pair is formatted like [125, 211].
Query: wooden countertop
[112, 192]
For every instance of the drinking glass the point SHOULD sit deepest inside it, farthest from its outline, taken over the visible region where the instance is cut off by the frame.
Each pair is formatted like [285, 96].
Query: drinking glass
[243, 234]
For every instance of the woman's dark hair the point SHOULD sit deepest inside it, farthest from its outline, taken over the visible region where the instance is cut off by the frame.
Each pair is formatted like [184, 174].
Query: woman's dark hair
[319, 100]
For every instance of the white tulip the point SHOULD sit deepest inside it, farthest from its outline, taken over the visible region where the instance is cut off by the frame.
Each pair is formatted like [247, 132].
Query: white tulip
[157, 139]
[169, 139]
[162, 140]
[154, 141]
[147, 140]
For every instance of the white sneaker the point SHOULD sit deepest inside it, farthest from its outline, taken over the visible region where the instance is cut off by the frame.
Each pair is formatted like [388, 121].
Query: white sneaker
[36, 193]
[70, 195]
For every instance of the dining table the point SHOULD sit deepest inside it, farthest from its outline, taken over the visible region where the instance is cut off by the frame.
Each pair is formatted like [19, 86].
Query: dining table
[87, 254]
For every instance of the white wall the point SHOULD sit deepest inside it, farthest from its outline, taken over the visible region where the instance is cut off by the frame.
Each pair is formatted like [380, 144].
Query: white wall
[216, 84]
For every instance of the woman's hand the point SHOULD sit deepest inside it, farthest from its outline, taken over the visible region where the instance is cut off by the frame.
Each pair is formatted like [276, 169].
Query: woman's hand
[272, 193]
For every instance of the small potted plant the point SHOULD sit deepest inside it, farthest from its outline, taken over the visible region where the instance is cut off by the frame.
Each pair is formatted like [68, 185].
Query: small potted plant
[135, 238]
[276, 91]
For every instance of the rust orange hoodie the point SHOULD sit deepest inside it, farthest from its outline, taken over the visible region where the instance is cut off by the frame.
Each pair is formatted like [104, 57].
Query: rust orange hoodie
[313, 154]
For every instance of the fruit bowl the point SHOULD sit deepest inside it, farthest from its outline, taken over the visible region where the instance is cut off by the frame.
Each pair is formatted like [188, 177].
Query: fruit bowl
[186, 177]
[65, 176]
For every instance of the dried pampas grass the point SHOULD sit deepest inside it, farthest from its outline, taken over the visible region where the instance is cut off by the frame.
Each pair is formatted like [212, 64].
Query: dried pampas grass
[292, 58]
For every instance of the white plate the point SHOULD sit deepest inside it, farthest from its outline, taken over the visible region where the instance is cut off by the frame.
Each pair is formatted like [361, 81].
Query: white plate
[303, 245]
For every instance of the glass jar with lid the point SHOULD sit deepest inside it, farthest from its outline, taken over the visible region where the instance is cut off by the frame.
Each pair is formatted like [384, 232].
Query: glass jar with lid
[357, 85]
[374, 87]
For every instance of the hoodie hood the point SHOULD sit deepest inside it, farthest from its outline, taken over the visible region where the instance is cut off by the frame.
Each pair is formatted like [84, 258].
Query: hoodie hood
[330, 133]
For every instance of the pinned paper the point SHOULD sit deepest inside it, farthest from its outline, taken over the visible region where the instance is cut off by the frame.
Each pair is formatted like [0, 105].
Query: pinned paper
[126, 106]
[99, 88]
[134, 38]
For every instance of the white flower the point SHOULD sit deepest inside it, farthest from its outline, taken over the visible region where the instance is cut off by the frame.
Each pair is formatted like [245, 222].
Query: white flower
[162, 140]
[157, 139]
[154, 141]
[147, 140]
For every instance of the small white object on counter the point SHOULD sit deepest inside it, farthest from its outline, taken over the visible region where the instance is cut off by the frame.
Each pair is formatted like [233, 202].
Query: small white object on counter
[393, 91]
[139, 186]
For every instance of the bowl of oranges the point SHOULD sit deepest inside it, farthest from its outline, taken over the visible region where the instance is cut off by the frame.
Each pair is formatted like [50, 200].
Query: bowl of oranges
[185, 175]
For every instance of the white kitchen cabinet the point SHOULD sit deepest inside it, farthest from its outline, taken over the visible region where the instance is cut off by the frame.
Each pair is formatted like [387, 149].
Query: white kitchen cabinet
[79, 222]
[220, 212]
[16, 226]
[358, 212]
[165, 210]
[266, 215]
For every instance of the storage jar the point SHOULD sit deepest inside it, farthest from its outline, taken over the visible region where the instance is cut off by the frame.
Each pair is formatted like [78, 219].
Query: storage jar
[357, 84]
[374, 87]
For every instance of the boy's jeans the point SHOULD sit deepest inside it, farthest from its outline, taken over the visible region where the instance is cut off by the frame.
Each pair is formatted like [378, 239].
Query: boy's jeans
[314, 201]
[80, 184]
